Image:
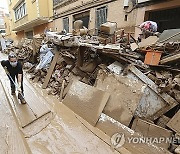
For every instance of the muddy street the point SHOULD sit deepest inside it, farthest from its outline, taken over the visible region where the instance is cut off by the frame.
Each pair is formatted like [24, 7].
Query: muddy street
[89, 77]
[58, 131]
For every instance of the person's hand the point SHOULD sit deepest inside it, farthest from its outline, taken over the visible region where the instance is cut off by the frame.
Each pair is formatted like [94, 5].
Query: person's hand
[6, 70]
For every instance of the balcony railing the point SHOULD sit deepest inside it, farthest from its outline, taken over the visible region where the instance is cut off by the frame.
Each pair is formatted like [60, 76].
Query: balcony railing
[62, 2]
[56, 2]
[21, 21]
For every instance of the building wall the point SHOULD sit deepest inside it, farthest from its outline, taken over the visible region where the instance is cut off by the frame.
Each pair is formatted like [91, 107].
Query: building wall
[2, 15]
[9, 33]
[142, 13]
[116, 13]
[46, 8]
[19, 35]
[35, 9]
[32, 9]
[39, 29]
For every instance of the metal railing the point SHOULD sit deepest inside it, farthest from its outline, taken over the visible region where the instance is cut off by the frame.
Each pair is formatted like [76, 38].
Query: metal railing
[21, 21]
[55, 2]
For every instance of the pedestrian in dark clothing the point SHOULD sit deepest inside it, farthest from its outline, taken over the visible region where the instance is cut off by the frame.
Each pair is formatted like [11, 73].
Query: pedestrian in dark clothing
[13, 69]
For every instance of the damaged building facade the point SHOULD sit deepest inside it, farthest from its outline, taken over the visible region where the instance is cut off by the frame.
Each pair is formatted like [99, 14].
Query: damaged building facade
[94, 13]
[126, 13]
[28, 18]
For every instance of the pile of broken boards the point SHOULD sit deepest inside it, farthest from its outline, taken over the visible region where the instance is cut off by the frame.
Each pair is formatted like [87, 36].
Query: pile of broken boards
[163, 57]
[26, 49]
[118, 88]
[127, 104]
[23, 49]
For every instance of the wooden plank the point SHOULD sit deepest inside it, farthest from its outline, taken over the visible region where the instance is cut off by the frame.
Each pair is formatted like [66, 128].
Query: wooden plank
[171, 102]
[62, 90]
[11, 138]
[23, 112]
[174, 123]
[50, 71]
[111, 127]
[152, 85]
[81, 51]
[34, 100]
[151, 130]
[86, 101]
[169, 59]
[124, 99]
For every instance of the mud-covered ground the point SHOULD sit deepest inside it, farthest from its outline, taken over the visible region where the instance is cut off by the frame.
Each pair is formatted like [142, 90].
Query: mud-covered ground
[59, 131]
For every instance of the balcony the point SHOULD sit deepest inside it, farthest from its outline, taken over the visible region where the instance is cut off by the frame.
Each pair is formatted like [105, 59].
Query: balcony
[56, 2]
[25, 24]
[21, 21]
[61, 3]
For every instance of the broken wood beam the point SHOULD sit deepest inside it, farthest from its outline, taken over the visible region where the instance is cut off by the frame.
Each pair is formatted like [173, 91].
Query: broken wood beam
[171, 102]
[62, 90]
[174, 123]
[148, 129]
[170, 59]
[51, 69]
[151, 84]
[81, 56]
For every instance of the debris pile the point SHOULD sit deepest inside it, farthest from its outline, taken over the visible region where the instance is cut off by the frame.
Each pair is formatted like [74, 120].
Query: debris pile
[167, 82]
[23, 49]
[137, 84]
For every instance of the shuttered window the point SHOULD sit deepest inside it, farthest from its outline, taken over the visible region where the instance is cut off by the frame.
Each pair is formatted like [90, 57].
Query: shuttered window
[20, 11]
[66, 24]
[101, 16]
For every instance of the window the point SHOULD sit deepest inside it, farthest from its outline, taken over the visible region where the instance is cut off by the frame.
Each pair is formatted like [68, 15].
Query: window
[29, 34]
[101, 16]
[66, 24]
[84, 17]
[20, 11]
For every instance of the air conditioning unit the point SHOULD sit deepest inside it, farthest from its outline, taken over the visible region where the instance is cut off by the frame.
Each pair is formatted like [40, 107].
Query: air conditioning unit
[142, 1]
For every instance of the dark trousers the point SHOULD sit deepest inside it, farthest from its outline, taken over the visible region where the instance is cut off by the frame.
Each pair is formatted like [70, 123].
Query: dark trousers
[13, 87]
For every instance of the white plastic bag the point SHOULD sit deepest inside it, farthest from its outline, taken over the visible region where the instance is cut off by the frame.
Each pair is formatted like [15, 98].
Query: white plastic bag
[45, 57]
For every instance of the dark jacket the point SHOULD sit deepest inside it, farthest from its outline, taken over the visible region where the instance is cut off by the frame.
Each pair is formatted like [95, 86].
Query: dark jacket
[12, 70]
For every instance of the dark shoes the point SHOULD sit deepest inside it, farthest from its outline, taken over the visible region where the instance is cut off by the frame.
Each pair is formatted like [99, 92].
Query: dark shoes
[13, 92]
[21, 98]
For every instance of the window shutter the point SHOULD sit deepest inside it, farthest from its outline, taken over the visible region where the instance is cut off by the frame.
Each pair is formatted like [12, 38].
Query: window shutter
[66, 24]
[101, 16]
